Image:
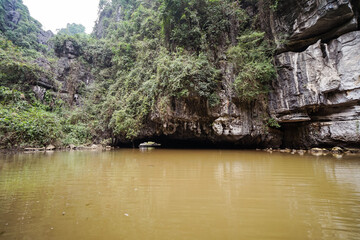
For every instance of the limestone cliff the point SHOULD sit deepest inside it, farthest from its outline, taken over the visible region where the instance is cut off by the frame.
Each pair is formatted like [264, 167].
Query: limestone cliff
[17, 24]
[67, 75]
[316, 95]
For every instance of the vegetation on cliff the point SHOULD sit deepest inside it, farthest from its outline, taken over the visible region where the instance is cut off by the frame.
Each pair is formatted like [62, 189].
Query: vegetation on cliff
[72, 29]
[142, 54]
[16, 64]
[18, 26]
[252, 57]
[173, 49]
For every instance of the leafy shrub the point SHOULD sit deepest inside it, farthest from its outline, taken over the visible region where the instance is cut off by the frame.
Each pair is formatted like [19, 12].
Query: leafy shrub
[188, 23]
[253, 60]
[72, 29]
[76, 134]
[30, 124]
[79, 42]
[15, 66]
[271, 122]
[22, 124]
[9, 96]
[182, 75]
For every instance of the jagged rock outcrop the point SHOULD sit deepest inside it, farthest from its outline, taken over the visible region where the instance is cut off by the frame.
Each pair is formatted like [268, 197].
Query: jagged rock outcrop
[44, 80]
[67, 75]
[71, 73]
[44, 37]
[302, 23]
[232, 123]
[16, 15]
[68, 50]
[316, 95]
[12, 16]
[322, 75]
[102, 22]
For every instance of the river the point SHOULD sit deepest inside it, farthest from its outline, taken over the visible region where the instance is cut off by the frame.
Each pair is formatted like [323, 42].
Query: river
[179, 194]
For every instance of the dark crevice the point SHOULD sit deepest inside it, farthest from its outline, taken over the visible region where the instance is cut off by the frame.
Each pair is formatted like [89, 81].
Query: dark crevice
[323, 50]
[173, 104]
[290, 48]
[356, 6]
[171, 143]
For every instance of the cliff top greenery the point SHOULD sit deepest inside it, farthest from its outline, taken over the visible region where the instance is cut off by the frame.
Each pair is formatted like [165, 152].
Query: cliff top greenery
[72, 29]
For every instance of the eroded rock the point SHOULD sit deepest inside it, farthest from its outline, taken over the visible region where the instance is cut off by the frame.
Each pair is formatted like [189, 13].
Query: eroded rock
[332, 133]
[305, 22]
[307, 78]
[50, 148]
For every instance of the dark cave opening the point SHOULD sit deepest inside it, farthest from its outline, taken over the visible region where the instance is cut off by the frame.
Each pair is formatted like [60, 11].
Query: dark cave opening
[172, 143]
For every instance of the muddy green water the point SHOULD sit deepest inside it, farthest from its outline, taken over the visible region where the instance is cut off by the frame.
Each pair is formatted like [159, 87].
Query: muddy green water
[179, 194]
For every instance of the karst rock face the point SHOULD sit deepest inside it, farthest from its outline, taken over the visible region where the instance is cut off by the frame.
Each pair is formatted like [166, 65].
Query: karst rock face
[14, 12]
[301, 23]
[316, 95]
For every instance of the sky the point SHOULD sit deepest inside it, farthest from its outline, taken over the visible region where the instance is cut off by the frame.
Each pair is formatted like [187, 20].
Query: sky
[55, 14]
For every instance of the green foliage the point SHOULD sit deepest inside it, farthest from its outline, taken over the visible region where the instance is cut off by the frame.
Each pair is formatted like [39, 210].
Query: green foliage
[252, 58]
[133, 91]
[76, 134]
[15, 66]
[99, 53]
[147, 74]
[9, 96]
[184, 75]
[273, 4]
[23, 33]
[271, 122]
[195, 24]
[78, 41]
[72, 29]
[125, 55]
[24, 123]
[128, 121]
[31, 125]
[181, 23]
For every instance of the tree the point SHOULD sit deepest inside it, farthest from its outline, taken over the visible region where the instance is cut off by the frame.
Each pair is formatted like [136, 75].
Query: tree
[72, 29]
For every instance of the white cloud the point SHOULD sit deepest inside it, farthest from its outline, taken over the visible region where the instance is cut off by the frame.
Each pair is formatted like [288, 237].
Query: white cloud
[55, 14]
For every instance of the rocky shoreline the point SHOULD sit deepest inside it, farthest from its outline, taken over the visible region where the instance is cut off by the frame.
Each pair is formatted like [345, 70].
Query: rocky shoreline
[52, 148]
[337, 152]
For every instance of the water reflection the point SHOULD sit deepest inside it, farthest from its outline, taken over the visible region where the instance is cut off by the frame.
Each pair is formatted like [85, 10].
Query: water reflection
[178, 194]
